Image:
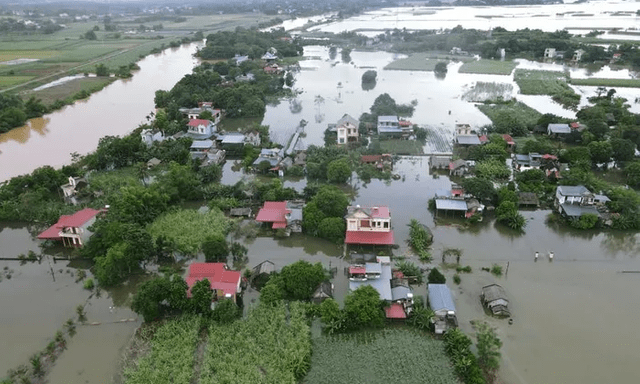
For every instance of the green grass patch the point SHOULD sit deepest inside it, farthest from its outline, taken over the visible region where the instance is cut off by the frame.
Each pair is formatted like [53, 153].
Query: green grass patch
[6, 55]
[387, 356]
[83, 53]
[424, 61]
[7, 81]
[401, 147]
[533, 82]
[483, 91]
[629, 83]
[515, 111]
[547, 83]
[489, 67]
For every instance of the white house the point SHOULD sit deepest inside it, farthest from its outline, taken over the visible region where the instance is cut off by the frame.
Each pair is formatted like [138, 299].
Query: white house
[550, 53]
[150, 136]
[579, 194]
[347, 130]
[201, 127]
[389, 125]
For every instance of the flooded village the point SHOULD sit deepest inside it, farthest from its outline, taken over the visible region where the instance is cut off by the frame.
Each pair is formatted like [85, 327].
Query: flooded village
[556, 288]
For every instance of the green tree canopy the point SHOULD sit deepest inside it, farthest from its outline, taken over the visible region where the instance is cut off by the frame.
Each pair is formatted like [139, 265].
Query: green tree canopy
[300, 279]
[215, 249]
[363, 308]
[338, 171]
[435, 277]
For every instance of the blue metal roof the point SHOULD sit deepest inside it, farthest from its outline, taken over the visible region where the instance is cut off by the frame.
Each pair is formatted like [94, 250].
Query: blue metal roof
[451, 205]
[440, 297]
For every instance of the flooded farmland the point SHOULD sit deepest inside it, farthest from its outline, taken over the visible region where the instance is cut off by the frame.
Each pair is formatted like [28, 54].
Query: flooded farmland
[573, 317]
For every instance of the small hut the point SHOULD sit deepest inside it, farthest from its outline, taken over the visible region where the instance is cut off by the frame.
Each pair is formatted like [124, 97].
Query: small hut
[528, 199]
[495, 299]
[323, 292]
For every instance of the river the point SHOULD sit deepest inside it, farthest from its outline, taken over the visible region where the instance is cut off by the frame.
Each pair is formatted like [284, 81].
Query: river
[115, 110]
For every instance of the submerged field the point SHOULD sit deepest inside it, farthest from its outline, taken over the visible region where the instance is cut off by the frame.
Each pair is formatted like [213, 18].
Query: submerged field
[386, 356]
[424, 61]
[488, 67]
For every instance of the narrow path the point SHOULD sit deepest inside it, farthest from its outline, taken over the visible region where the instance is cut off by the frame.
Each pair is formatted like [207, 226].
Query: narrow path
[199, 354]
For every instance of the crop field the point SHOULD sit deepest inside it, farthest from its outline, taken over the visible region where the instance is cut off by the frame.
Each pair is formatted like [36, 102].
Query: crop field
[270, 346]
[26, 54]
[517, 110]
[387, 356]
[7, 81]
[630, 83]
[401, 147]
[488, 67]
[425, 61]
[533, 82]
[483, 91]
[171, 357]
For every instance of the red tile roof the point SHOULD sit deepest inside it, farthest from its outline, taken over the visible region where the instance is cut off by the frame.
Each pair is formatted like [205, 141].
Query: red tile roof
[404, 123]
[357, 269]
[76, 220]
[370, 158]
[575, 125]
[369, 237]
[483, 138]
[547, 156]
[197, 122]
[508, 139]
[273, 212]
[218, 275]
[395, 311]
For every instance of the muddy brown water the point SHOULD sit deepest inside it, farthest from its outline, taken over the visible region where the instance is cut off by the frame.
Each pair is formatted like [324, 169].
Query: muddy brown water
[573, 317]
[116, 110]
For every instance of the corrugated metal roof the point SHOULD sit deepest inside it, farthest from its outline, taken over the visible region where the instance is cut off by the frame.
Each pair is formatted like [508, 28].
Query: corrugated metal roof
[568, 190]
[468, 139]
[381, 284]
[388, 119]
[451, 205]
[400, 292]
[574, 210]
[440, 297]
[559, 128]
[373, 268]
[202, 144]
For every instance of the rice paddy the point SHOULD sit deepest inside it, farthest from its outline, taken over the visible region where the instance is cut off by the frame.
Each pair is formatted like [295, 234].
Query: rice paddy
[386, 356]
[488, 67]
[631, 83]
[483, 91]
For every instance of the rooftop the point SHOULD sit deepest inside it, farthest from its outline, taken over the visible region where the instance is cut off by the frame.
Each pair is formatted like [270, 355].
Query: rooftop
[197, 122]
[395, 311]
[578, 190]
[559, 128]
[468, 140]
[273, 212]
[76, 220]
[388, 119]
[382, 284]
[440, 297]
[451, 205]
[370, 238]
[220, 277]
[374, 212]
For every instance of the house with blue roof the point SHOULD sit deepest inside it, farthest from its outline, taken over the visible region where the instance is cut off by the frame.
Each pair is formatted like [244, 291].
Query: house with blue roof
[441, 303]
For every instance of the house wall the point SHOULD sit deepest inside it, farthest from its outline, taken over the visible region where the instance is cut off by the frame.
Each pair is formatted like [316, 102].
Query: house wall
[375, 225]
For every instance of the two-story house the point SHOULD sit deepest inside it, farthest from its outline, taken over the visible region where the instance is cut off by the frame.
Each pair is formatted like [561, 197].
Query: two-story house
[389, 126]
[201, 128]
[72, 230]
[150, 136]
[575, 201]
[347, 130]
[369, 225]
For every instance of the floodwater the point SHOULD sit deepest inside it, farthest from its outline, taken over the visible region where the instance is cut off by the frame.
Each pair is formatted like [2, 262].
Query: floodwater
[595, 14]
[116, 110]
[574, 317]
[39, 297]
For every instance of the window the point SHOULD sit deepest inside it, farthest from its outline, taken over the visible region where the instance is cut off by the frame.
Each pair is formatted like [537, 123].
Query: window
[386, 224]
[342, 140]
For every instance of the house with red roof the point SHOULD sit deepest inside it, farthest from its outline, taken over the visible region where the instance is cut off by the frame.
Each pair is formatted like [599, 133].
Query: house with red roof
[282, 215]
[510, 143]
[201, 128]
[225, 283]
[369, 226]
[72, 230]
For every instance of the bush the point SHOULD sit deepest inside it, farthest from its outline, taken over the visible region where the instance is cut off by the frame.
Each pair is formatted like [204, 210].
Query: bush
[410, 270]
[465, 269]
[420, 238]
[435, 277]
[586, 221]
[496, 270]
[88, 284]
[456, 278]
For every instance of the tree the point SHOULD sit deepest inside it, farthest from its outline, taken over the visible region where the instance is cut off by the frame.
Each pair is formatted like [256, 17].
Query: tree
[479, 187]
[369, 76]
[90, 35]
[300, 279]
[111, 268]
[289, 80]
[149, 296]
[488, 345]
[272, 292]
[11, 117]
[181, 183]
[332, 228]
[440, 68]
[225, 311]
[102, 70]
[329, 311]
[137, 204]
[435, 277]
[363, 308]
[215, 249]
[601, 151]
[632, 172]
[201, 297]
[331, 201]
[346, 54]
[338, 171]
[623, 150]
[34, 107]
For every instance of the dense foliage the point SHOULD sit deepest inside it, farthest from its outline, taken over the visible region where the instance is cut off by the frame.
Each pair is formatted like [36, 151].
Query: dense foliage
[420, 239]
[321, 211]
[250, 42]
[171, 357]
[272, 345]
[457, 347]
[410, 271]
[187, 229]
[436, 277]
[14, 112]
[409, 357]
